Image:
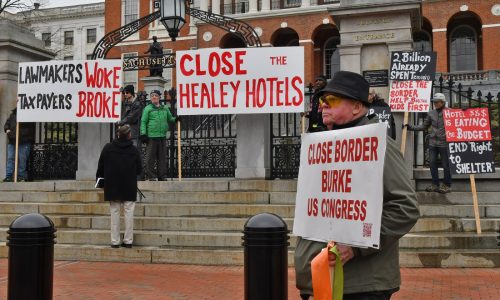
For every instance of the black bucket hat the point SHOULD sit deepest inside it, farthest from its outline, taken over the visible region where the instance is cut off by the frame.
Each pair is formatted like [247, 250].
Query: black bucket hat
[129, 88]
[349, 85]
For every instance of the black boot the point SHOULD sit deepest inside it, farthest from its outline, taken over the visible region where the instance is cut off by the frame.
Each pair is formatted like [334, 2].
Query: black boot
[304, 297]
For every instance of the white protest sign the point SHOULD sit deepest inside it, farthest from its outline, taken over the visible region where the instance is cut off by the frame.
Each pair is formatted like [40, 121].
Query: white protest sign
[410, 96]
[240, 81]
[70, 91]
[340, 185]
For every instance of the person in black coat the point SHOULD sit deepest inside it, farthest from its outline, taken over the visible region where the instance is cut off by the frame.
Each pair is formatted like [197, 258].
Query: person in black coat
[131, 112]
[377, 106]
[119, 165]
[27, 132]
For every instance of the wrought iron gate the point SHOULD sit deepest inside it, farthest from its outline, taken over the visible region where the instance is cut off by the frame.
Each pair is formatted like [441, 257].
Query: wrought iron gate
[208, 144]
[285, 142]
[55, 152]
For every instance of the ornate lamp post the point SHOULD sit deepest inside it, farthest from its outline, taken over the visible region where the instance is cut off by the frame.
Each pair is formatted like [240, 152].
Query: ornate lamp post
[173, 14]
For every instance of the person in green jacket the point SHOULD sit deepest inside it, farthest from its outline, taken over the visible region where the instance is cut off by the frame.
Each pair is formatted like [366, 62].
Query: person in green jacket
[154, 127]
[368, 273]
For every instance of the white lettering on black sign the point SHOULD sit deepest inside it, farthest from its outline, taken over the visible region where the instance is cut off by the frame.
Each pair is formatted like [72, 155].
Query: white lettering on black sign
[413, 66]
[471, 157]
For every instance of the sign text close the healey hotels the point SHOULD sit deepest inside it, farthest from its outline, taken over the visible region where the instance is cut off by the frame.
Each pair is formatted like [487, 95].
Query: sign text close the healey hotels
[240, 81]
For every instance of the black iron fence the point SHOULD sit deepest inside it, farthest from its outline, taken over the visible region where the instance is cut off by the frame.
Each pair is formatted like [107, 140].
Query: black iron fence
[55, 152]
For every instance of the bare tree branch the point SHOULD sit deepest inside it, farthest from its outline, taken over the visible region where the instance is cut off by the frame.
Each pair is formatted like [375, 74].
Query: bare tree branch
[17, 5]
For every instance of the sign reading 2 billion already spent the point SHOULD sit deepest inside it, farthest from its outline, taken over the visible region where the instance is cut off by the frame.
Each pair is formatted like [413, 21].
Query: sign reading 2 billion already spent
[340, 185]
[240, 81]
[69, 91]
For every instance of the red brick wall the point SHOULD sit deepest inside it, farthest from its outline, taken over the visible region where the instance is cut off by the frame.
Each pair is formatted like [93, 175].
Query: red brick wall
[439, 13]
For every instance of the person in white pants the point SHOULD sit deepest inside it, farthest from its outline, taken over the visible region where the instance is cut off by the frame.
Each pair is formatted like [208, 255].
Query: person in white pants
[119, 165]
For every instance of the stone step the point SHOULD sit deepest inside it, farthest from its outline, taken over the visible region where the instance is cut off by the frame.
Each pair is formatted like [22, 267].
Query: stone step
[483, 198]
[231, 239]
[455, 225]
[435, 258]
[237, 224]
[461, 183]
[459, 211]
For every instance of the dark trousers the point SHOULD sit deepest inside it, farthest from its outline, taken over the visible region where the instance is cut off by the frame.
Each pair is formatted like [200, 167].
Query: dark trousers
[156, 152]
[433, 157]
[385, 295]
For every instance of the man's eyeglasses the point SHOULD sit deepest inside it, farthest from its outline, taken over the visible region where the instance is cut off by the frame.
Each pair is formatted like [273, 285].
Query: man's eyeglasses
[330, 100]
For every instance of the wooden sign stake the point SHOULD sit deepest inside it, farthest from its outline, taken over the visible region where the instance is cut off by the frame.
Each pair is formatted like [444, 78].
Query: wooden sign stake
[179, 156]
[474, 199]
[16, 155]
[403, 135]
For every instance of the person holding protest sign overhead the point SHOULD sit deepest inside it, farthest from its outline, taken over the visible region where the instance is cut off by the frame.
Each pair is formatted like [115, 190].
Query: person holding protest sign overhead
[437, 144]
[131, 112]
[369, 273]
[27, 132]
[154, 127]
[119, 164]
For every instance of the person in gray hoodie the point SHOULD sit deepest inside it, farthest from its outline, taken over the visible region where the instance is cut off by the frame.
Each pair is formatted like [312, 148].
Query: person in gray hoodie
[437, 144]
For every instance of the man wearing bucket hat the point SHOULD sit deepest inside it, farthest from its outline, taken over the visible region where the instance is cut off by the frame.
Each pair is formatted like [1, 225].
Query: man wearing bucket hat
[437, 144]
[368, 273]
[154, 127]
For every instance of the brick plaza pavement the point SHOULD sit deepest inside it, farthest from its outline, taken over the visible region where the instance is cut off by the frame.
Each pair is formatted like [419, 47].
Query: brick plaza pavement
[123, 281]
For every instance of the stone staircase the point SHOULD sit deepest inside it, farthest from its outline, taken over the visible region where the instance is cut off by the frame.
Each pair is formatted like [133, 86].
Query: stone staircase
[201, 222]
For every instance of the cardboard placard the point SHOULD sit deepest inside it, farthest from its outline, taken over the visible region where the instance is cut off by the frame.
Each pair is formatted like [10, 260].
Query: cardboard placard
[412, 66]
[471, 124]
[240, 81]
[471, 157]
[70, 91]
[340, 185]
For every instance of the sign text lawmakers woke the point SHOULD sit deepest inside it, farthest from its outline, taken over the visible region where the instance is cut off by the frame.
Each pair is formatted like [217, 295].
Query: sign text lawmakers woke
[237, 80]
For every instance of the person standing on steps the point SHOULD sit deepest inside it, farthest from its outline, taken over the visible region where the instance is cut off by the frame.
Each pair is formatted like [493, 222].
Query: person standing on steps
[437, 144]
[119, 165]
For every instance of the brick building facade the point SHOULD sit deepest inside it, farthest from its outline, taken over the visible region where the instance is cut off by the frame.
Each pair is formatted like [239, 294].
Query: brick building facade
[463, 33]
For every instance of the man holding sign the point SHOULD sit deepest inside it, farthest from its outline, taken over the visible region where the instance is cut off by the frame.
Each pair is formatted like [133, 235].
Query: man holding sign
[369, 273]
[437, 144]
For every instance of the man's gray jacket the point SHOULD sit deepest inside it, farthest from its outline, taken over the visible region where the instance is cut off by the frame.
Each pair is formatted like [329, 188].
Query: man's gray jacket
[434, 119]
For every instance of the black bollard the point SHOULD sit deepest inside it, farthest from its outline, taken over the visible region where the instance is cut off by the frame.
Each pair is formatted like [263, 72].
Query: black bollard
[31, 258]
[266, 258]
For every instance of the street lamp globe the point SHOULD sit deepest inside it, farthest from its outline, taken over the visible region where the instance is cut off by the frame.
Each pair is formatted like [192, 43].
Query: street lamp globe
[173, 13]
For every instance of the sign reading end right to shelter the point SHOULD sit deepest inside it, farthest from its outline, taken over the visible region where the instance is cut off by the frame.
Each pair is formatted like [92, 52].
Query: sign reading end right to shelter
[469, 140]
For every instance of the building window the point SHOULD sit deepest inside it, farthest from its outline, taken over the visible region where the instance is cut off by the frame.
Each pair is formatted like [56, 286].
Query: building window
[47, 39]
[130, 77]
[89, 56]
[91, 35]
[68, 58]
[331, 56]
[68, 38]
[463, 49]
[422, 41]
[131, 11]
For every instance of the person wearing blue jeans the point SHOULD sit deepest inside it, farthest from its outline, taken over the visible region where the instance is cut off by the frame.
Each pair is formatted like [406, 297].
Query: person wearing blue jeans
[437, 144]
[26, 139]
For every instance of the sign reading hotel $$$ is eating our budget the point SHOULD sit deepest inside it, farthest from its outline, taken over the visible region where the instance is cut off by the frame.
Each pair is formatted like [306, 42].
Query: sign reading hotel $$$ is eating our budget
[340, 187]
[69, 91]
[240, 81]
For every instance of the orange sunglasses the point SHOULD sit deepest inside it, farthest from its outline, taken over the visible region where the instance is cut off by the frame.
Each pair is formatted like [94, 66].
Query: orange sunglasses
[330, 100]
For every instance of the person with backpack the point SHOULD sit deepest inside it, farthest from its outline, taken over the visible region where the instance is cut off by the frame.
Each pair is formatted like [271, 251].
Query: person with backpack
[131, 112]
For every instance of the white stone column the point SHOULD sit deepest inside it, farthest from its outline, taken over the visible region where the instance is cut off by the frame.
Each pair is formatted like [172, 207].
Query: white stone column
[350, 58]
[204, 5]
[253, 5]
[253, 146]
[216, 6]
[266, 5]
[306, 3]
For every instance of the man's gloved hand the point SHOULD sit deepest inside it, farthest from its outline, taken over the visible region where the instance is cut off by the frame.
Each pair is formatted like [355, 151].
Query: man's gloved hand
[405, 125]
[144, 138]
[120, 123]
[178, 118]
